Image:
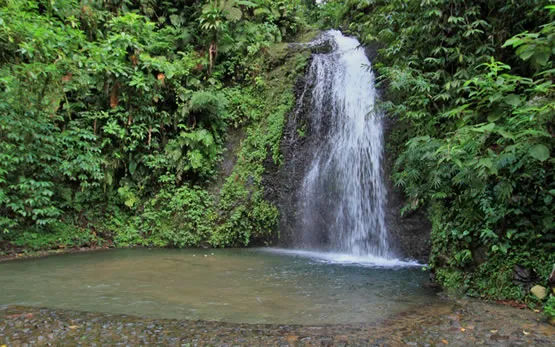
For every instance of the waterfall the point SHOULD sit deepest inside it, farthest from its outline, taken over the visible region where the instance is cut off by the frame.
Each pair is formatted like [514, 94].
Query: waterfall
[343, 197]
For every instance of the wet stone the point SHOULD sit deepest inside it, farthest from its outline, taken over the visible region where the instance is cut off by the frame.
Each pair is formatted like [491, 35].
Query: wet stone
[427, 325]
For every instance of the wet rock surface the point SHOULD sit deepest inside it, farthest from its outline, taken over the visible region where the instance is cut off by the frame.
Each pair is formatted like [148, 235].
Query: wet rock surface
[282, 182]
[460, 323]
[409, 233]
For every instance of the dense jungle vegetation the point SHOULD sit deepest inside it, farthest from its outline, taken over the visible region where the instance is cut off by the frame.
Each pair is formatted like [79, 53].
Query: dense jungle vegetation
[470, 84]
[115, 113]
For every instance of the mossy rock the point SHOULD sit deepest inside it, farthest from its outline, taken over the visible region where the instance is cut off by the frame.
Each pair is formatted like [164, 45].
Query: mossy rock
[539, 292]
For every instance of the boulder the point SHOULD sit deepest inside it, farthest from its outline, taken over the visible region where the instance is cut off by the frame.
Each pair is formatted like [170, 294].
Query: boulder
[524, 277]
[539, 292]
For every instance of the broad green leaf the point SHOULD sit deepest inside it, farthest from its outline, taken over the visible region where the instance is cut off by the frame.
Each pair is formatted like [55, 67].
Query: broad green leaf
[542, 58]
[494, 117]
[245, 3]
[132, 167]
[484, 128]
[540, 152]
[514, 41]
[525, 52]
[513, 100]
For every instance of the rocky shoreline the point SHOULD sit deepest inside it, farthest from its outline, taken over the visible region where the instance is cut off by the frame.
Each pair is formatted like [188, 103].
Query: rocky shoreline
[456, 323]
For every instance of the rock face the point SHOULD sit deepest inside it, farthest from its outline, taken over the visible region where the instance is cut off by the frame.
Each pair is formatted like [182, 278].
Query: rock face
[524, 277]
[409, 235]
[282, 183]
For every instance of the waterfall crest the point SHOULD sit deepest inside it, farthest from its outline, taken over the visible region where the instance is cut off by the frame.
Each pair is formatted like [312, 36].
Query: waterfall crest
[343, 197]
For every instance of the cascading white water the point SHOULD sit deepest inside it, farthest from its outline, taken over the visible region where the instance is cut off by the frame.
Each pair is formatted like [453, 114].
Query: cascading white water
[343, 191]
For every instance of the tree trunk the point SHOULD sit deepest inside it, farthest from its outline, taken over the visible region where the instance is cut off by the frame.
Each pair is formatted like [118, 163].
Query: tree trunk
[213, 52]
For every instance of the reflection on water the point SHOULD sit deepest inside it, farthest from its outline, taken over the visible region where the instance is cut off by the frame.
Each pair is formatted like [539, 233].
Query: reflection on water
[246, 286]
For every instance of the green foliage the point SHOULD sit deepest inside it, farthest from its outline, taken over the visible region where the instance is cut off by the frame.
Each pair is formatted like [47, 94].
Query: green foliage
[114, 116]
[244, 213]
[549, 308]
[176, 217]
[60, 236]
[470, 83]
[451, 279]
[194, 152]
[232, 26]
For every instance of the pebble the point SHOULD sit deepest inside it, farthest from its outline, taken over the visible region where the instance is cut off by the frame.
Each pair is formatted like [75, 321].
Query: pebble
[478, 324]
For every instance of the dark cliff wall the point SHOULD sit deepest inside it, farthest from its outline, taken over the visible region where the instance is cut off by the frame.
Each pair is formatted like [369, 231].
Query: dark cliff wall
[283, 182]
[410, 233]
